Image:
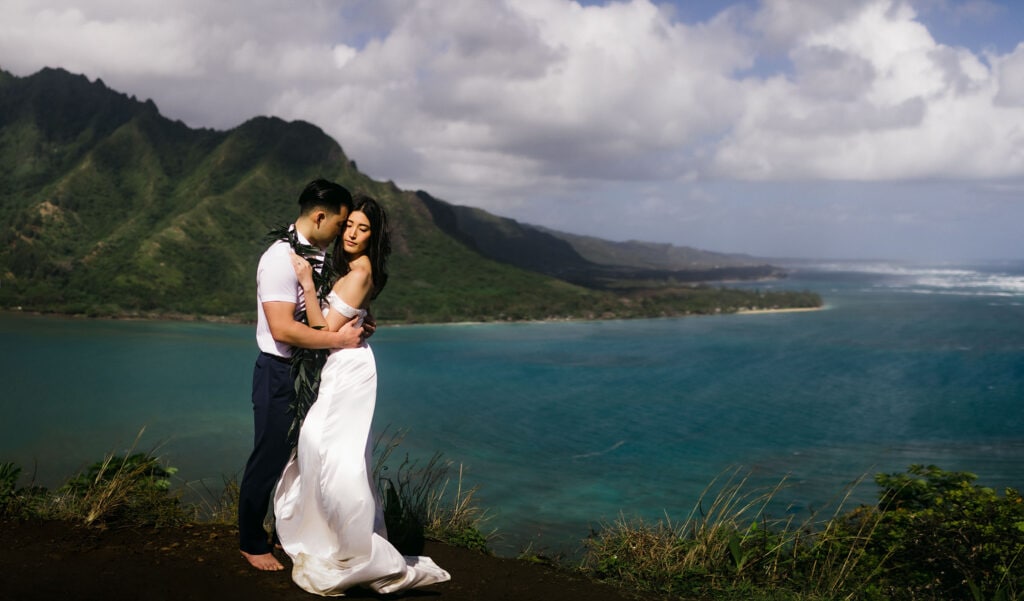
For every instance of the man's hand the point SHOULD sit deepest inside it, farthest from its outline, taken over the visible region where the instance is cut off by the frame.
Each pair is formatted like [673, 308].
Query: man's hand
[349, 335]
[284, 329]
[369, 325]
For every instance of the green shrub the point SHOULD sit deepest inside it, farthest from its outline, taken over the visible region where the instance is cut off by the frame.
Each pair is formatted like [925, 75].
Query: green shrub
[945, 537]
[15, 501]
[129, 490]
[934, 535]
[9, 474]
[727, 541]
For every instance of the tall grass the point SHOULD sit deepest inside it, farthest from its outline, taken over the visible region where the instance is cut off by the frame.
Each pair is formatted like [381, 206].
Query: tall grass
[729, 541]
[839, 557]
[935, 535]
[418, 502]
[217, 506]
[420, 499]
[129, 489]
[457, 519]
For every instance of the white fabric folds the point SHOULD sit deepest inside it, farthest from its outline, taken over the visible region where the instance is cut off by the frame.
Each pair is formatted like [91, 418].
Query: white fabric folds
[329, 515]
[344, 308]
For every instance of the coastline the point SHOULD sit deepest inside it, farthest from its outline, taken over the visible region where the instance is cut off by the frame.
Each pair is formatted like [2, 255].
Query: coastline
[224, 319]
[182, 317]
[584, 319]
[782, 310]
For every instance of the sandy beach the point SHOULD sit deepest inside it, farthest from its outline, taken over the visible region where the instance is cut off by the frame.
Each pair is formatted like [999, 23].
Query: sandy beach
[793, 310]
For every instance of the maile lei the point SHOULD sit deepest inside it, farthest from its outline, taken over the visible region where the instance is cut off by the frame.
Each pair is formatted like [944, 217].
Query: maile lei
[306, 363]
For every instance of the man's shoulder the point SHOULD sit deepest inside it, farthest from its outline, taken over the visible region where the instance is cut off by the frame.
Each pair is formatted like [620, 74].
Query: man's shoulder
[276, 264]
[276, 251]
[278, 246]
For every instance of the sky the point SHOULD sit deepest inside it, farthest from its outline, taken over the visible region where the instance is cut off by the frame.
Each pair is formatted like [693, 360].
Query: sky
[857, 129]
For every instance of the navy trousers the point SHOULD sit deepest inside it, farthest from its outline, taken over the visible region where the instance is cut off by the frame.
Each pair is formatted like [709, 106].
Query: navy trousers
[273, 390]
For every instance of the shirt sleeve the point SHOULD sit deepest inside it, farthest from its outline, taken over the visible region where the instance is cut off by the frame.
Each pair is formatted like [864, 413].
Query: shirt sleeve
[275, 276]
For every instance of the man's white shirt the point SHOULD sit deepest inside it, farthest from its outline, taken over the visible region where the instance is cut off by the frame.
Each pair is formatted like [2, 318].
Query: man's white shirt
[276, 281]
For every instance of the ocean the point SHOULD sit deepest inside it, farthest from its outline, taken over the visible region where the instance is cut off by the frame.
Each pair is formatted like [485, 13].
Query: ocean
[566, 426]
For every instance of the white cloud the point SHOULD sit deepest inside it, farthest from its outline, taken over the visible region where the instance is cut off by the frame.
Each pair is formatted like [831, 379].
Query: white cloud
[342, 55]
[558, 92]
[508, 98]
[68, 37]
[501, 103]
[1011, 79]
[784, 22]
[902, 106]
[959, 12]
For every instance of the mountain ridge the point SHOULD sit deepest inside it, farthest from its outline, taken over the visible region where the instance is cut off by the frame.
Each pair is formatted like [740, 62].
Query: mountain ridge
[109, 208]
[586, 260]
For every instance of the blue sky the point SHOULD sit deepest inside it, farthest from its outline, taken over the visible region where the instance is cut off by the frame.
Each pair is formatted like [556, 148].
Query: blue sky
[978, 25]
[779, 128]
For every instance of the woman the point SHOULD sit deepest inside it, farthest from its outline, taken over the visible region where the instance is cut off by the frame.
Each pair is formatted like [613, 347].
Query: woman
[329, 515]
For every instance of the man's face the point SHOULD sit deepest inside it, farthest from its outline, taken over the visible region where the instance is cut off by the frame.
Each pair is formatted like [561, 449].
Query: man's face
[329, 227]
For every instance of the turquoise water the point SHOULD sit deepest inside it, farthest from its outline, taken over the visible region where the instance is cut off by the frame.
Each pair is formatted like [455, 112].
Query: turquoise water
[566, 425]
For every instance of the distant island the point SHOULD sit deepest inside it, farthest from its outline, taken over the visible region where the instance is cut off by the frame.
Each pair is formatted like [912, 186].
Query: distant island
[109, 209]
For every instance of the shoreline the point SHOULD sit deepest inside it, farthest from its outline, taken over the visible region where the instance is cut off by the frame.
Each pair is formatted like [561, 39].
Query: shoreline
[584, 319]
[175, 317]
[783, 310]
[223, 319]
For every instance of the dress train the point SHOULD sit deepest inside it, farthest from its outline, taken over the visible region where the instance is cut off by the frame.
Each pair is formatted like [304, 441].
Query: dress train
[329, 516]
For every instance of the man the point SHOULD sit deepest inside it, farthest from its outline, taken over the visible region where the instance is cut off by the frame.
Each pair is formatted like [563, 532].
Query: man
[323, 209]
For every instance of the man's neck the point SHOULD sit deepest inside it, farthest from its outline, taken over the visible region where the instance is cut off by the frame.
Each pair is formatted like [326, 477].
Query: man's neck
[306, 229]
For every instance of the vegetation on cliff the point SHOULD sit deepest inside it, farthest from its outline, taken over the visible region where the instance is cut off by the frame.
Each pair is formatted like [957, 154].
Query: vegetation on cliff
[933, 535]
[107, 208]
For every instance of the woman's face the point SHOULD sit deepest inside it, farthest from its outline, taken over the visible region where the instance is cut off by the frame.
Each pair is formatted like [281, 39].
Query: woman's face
[357, 233]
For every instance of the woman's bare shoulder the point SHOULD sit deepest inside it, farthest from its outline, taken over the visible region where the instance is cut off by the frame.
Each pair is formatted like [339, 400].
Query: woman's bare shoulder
[361, 265]
[359, 273]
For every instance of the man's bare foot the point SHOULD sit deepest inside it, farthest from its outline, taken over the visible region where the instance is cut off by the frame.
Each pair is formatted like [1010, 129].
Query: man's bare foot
[265, 562]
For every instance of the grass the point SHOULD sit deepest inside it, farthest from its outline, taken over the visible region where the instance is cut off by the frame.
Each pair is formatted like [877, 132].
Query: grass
[667, 556]
[216, 506]
[933, 536]
[729, 546]
[132, 489]
[418, 502]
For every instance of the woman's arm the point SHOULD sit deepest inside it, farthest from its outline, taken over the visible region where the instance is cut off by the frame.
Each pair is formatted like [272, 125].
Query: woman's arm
[314, 314]
[284, 329]
[353, 289]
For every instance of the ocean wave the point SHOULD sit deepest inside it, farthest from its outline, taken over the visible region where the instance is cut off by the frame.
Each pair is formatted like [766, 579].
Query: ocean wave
[961, 292]
[1001, 285]
[926, 279]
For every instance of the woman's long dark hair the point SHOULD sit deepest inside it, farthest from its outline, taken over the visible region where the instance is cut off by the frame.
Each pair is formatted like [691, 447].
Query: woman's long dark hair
[378, 248]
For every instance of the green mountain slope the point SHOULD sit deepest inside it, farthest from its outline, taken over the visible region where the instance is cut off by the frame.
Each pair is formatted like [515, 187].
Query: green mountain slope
[653, 256]
[108, 208]
[586, 260]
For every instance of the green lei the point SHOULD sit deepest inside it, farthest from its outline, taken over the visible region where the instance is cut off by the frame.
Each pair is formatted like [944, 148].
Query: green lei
[306, 363]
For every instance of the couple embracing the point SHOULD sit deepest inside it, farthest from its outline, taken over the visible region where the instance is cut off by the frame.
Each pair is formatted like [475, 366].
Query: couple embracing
[328, 514]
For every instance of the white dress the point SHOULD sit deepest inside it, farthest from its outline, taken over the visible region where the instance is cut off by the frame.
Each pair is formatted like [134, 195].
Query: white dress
[329, 516]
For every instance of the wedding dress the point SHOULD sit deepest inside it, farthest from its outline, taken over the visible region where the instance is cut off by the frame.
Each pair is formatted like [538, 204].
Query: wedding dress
[329, 515]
